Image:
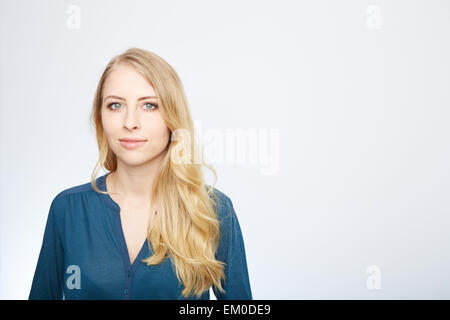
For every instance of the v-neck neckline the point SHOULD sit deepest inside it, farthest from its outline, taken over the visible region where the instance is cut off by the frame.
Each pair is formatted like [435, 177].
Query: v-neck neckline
[120, 235]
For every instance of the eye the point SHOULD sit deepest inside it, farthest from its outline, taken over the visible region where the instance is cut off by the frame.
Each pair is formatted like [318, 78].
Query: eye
[111, 104]
[151, 104]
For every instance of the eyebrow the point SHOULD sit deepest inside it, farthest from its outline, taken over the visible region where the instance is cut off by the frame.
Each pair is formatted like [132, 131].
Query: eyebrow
[123, 99]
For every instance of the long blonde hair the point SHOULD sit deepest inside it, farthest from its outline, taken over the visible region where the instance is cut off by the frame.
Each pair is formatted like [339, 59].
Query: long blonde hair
[186, 226]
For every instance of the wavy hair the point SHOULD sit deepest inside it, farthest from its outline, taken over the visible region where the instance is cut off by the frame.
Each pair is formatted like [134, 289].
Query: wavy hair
[185, 227]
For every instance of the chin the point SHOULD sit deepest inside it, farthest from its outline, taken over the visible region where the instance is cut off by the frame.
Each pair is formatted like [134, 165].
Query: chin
[137, 160]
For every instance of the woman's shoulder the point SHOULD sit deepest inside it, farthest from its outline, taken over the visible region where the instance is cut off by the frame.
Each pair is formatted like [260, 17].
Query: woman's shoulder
[223, 201]
[70, 200]
[64, 194]
[217, 194]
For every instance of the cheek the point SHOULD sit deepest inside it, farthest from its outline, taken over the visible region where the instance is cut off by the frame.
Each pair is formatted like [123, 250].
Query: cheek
[160, 134]
[106, 122]
[107, 128]
[111, 132]
[159, 129]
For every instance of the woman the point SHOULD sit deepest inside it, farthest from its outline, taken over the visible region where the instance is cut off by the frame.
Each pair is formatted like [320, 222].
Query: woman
[150, 228]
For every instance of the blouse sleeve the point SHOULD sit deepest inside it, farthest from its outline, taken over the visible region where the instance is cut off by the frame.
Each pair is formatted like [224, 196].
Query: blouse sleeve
[49, 273]
[231, 250]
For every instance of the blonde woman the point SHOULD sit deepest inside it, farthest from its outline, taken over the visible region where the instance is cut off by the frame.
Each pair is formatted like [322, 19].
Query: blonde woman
[150, 228]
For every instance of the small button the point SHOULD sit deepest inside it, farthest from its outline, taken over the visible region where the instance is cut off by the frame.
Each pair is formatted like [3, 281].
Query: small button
[125, 291]
[129, 273]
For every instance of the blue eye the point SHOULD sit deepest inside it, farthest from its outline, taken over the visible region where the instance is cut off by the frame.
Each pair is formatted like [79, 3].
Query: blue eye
[152, 104]
[109, 106]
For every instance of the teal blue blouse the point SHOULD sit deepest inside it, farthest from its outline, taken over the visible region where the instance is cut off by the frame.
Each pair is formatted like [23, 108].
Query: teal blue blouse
[84, 254]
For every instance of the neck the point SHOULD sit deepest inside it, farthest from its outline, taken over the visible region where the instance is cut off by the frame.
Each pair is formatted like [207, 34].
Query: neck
[134, 185]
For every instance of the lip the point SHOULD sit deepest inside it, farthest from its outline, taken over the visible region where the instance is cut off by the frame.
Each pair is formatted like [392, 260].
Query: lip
[131, 143]
[131, 140]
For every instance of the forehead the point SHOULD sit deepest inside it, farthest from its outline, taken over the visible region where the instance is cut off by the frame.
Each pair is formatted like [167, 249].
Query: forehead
[125, 81]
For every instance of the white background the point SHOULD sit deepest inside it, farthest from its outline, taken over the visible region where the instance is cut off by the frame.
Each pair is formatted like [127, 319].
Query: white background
[358, 91]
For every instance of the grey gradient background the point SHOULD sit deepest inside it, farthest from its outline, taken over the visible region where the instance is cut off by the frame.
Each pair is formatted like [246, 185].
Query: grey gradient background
[362, 113]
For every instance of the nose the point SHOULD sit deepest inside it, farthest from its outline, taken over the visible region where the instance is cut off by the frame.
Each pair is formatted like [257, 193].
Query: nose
[131, 121]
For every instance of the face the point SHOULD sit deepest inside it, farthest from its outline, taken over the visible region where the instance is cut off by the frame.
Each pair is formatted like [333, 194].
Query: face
[130, 110]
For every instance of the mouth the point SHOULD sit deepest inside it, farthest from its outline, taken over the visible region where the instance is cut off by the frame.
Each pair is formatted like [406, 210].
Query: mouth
[132, 140]
[131, 143]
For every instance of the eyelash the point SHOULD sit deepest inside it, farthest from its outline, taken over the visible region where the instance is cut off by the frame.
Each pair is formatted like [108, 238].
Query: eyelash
[153, 104]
